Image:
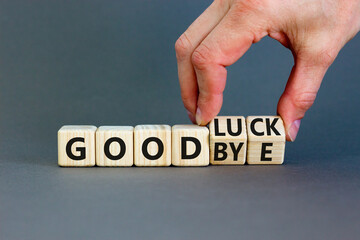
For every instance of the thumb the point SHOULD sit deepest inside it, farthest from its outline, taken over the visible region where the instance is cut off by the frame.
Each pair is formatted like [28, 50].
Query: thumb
[300, 92]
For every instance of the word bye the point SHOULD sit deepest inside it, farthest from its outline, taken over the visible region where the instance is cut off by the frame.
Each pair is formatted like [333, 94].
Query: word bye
[228, 141]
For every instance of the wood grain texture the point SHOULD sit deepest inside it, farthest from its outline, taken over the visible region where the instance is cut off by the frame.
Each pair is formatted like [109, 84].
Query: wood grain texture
[144, 133]
[112, 138]
[194, 131]
[228, 140]
[84, 150]
[266, 140]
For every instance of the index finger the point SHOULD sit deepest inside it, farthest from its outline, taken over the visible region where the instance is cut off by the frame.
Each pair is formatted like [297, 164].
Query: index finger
[186, 45]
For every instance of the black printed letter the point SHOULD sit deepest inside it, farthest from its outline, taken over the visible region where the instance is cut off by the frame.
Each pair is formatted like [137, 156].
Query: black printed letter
[271, 126]
[145, 150]
[107, 148]
[264, 151]
[222, 151]
[184, 154]
[79, 149]
[236, 150]
[234, 134]
[216, 126]
[252, 127]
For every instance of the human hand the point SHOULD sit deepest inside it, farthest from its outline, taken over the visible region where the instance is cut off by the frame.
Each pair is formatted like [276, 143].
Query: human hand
[314, 30]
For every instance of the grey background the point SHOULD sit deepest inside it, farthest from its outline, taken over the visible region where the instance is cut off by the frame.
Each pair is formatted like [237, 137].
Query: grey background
[113, 62]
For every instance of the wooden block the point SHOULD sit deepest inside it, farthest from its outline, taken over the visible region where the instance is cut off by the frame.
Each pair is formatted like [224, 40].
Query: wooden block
[152, 145]
[228, 140]
[76, 146]
[266, 140]
[115, 146]
[190, 145]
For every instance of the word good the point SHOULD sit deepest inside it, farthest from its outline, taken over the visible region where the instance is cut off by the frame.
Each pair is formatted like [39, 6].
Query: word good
[227, 141]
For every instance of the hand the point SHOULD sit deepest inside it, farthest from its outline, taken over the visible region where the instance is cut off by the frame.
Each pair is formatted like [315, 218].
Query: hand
[314, 30]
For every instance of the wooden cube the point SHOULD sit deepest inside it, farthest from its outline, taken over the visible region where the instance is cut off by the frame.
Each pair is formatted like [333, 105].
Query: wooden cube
[76, 146]
[190, 145]
[228, 140]
[266, 140]
[115, 146]
[152, 145]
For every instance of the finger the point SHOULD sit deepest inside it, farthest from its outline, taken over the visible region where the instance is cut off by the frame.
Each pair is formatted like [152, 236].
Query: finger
[230, 39]
[300, 93]
[185, 46]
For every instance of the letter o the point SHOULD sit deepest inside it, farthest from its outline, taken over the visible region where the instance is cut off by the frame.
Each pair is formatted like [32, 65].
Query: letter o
[107, 148]
[145, 148]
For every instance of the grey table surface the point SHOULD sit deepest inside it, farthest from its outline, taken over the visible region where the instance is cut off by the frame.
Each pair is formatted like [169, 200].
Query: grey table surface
[113, 63]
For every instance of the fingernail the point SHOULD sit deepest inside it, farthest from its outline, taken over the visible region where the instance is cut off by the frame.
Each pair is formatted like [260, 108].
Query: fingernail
[191, 116]
[198, 116]
[294, 129]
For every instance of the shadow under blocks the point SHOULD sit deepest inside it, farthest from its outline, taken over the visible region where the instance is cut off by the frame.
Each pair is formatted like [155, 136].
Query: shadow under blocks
[229, 140]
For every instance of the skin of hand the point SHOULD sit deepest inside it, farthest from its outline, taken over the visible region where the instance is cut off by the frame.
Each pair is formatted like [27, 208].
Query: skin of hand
[314, 30]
